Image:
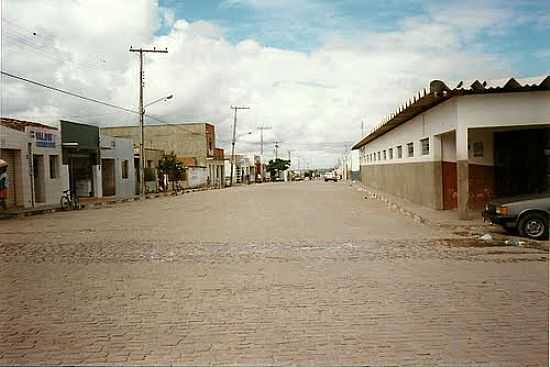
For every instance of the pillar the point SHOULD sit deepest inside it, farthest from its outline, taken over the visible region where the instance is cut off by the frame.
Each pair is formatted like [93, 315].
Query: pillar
[462, 175]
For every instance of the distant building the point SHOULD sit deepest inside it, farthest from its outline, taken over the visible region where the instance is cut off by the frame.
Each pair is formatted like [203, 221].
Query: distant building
[457, 148]
[188, 141]
[36, 174]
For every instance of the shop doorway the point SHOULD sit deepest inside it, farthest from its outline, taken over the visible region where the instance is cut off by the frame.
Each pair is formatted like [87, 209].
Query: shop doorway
[38, 178]
[108, 177]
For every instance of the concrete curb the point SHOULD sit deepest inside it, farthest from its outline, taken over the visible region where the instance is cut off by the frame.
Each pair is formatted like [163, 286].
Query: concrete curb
[98, 205]
[392, 205]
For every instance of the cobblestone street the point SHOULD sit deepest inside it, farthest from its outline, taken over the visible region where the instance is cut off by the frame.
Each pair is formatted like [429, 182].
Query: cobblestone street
[290, 273]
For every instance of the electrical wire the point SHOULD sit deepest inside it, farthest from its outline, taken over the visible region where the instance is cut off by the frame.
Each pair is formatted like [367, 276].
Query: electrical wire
[67, 92]
[97, 101]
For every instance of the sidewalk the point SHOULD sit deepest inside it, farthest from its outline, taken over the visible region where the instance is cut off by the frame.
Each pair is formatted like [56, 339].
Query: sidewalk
[421, 214]
[91, 203]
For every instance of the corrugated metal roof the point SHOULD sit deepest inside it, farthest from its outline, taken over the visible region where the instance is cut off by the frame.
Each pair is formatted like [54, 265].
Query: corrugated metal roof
[21, 125]
[440, 92]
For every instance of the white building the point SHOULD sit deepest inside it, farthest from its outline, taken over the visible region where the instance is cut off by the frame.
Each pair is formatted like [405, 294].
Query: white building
[458, 148]
[118, 177]
[36, 175]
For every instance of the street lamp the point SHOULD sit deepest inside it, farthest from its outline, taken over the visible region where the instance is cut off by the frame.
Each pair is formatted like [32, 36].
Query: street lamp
[159, 99]
[245, 134]
[142, 145]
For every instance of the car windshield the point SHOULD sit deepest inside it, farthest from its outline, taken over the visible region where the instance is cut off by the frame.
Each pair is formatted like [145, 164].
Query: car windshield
[274, 182]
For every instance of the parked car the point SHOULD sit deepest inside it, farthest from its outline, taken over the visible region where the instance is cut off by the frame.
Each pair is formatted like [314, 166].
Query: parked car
[527, 214]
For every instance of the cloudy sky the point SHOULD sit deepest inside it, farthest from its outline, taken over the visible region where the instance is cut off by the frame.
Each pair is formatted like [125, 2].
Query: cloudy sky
[313, 70]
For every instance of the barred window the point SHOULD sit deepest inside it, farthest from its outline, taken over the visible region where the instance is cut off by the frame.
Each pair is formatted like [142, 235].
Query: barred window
[425, 145]
[410, 149]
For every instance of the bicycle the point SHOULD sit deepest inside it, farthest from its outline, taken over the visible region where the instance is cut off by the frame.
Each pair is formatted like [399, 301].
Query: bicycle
[69, 200]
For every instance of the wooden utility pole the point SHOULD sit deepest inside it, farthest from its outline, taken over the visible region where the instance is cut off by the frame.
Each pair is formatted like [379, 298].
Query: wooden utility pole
[142, 114]
[235, 108]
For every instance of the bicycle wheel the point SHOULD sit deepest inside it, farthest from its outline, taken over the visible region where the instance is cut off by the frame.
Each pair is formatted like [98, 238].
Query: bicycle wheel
[64, 203]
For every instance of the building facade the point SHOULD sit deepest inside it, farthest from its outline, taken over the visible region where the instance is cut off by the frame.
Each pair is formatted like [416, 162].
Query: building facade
[190, 142]
[459, 148]
[118, 178]
[196, 140]
[36, 174]
[216, 168]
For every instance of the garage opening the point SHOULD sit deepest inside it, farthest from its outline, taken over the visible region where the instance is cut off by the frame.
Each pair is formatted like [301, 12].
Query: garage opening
[522, 162]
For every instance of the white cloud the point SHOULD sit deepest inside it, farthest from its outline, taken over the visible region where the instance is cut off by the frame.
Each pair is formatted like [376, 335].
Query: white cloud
[314, 101]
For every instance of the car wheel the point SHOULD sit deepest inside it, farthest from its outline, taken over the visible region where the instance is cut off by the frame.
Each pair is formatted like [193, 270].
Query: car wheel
[534, 226]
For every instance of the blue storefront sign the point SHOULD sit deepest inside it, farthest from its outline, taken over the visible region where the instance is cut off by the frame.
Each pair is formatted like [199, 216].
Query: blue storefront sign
[43, 139]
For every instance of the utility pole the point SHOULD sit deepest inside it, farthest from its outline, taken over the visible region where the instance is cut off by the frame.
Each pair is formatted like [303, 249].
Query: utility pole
[235, 108]
[362, 128]
[276, 149]
[142, 114]
[262, 128]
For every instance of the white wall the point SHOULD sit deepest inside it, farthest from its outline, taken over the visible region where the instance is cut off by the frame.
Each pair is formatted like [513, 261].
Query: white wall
[196, 176]
[438, 120]
[18, 140]
[53, 186]
[448, 147]
[504, 109]
[486, 138]
[465, 112]
[120, 149]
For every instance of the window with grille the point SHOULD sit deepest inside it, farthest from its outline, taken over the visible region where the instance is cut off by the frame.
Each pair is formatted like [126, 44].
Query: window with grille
[425, 146]
[410, 149]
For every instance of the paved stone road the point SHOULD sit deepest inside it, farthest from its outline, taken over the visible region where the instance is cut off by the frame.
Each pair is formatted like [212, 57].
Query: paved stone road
[302, 273]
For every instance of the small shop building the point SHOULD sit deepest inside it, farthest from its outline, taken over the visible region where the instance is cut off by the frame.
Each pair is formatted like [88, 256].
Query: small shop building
[118, 178]
[81, 153]
[36, 174]
[456, 148]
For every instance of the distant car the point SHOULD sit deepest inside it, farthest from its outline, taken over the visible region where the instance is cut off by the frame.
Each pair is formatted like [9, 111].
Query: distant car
[527, 214]
[330, 177]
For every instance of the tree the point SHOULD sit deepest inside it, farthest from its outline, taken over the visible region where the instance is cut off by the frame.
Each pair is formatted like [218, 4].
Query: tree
[171, 166]
[274, 166]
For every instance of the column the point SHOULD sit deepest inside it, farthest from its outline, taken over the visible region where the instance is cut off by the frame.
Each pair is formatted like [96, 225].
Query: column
[462, 175]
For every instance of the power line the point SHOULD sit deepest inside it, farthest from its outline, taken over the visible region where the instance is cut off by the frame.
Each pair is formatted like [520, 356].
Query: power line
[67, 92]
[72, 94]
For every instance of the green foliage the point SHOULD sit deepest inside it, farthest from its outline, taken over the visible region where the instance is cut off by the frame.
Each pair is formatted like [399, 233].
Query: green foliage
[172, 167]
[274, 166]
